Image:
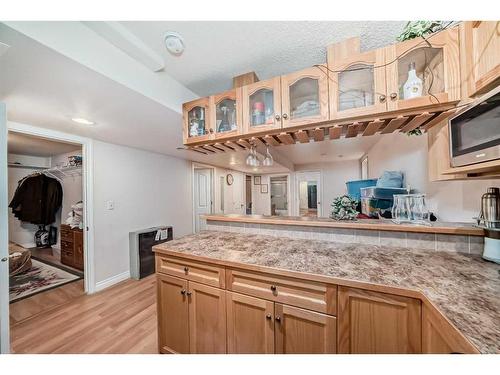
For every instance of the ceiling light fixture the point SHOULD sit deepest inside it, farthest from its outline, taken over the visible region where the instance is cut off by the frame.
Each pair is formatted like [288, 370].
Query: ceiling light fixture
[82, 121]
[174, 43]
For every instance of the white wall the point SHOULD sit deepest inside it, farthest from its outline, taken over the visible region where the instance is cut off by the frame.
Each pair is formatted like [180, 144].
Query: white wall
[334, 175]
[20, 232]
[148, 189]
[234, 195]
[457, 201]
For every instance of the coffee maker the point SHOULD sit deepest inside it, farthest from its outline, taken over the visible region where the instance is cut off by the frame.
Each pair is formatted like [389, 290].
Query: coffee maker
[489, 220]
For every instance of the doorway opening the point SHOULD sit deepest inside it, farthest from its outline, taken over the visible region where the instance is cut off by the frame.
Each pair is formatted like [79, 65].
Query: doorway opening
[279, 195]
[248, 194]
[202, 195]
[46, 223]
[309, 193]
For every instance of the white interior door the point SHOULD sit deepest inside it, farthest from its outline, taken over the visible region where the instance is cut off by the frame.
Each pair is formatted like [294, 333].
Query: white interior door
[202, 195]
[4, 241]
[309, 194]
[238, 193]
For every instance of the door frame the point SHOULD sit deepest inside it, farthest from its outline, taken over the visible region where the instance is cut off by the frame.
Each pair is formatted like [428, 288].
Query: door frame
[4, 234]
[88, 191]
[297, 189]
[288, 190]
[195, 166]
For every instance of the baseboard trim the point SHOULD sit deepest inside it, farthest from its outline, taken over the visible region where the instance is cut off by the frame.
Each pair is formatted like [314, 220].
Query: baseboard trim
[100, 285]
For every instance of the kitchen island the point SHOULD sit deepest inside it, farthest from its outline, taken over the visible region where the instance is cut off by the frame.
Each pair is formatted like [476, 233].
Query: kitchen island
[438, 301]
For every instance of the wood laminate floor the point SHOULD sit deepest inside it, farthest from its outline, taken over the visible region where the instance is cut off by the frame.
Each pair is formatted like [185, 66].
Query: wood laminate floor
[121, 319]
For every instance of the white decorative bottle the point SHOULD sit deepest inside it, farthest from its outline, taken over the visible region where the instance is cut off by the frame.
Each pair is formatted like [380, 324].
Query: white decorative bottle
[413, 85]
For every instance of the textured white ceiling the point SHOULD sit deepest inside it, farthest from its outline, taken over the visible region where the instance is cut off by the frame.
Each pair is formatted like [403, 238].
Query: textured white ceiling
[217, 51]
[23, 144]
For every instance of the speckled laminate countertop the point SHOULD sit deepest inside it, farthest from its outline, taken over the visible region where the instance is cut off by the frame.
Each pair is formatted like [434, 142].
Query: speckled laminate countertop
[465, 288]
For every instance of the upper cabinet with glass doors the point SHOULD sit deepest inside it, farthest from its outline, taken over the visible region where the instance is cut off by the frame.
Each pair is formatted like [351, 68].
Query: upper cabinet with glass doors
[261, 106]
[226, 114]
[357, 85]
[197, 121]
[304, 97]
[421, 73]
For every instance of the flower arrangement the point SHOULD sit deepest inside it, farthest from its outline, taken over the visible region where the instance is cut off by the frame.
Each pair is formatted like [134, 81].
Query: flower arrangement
[344, 208]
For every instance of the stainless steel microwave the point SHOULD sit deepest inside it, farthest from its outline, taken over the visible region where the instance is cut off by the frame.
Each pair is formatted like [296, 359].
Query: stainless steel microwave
[475, 131]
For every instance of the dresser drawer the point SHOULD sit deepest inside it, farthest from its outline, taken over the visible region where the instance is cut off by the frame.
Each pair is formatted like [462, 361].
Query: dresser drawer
[66, 245]
[66, 235]
[307, 294]
[190, 270]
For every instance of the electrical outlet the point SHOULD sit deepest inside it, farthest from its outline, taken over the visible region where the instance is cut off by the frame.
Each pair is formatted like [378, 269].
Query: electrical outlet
[110, 205]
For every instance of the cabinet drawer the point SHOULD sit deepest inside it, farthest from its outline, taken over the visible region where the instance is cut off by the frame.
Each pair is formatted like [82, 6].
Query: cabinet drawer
[307, 294]
[66, 246]
[191, 270]
[66, 235]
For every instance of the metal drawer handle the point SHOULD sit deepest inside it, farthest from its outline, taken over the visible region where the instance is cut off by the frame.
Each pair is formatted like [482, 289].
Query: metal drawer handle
[186, 269]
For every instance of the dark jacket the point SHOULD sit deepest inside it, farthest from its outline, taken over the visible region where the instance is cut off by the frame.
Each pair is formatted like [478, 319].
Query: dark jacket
[37, 199]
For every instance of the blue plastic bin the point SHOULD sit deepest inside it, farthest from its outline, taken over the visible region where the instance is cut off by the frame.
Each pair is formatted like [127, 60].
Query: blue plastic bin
[353, 187]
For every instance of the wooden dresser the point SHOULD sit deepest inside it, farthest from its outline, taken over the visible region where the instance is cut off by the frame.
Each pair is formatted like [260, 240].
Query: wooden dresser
[72, 247]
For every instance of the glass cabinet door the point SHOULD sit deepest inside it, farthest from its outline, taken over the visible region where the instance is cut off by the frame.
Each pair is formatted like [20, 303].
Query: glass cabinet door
[357, 85]
[197, 122]
[304, 96]
[261, 105]
[226, 109]
[424, 74]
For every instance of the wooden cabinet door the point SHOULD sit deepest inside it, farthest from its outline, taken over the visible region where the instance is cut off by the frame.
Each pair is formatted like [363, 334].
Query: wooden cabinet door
[78, 249]
[304, 97]
[207, 319]
[226, 111]
[301, 331]
[437, 65]
[440, 337]
[262, 106]
[373, 323]
[172, 306]
[485, 39]
[357, 87]
[197, 121]
[250, 325]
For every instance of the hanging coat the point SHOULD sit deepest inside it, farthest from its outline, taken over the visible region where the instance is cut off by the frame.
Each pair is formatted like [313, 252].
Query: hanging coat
[37, 199]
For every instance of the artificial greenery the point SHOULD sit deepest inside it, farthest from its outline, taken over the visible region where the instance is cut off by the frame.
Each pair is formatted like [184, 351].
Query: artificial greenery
[416, 131]
[344, 208]
[414, 29]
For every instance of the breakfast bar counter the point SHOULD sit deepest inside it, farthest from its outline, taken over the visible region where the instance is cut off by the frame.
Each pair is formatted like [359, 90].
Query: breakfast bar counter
[438, 227]
[463, 288]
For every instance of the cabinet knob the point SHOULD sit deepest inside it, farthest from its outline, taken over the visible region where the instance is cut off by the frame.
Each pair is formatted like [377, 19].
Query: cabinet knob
[183, 292]
[393, 95]
[274, 288]
[269, 316]
[5, 259]
[210, 130]
[285, 116]
[189, 294]
[278, 319]
[277, 117]
[186, 269]
[382, 98]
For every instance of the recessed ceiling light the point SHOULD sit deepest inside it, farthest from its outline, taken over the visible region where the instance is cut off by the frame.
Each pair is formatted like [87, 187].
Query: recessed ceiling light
[82, 121]
[174, 43]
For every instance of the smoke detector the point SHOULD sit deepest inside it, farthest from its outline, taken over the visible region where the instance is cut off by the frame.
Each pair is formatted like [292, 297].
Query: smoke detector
[174, 43]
